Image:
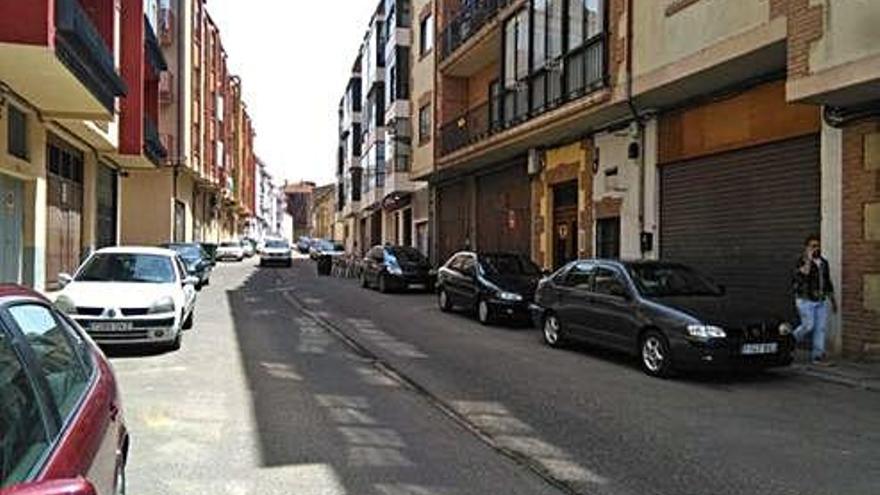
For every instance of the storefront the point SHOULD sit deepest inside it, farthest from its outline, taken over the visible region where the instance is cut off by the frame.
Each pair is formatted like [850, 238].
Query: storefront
[740, 189]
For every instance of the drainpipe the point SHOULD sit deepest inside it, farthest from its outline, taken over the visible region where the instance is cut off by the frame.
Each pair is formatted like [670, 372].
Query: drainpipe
[637, 118]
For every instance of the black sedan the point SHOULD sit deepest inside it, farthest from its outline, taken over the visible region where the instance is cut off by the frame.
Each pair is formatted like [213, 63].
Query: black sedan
[667, 314]
[396, 268]
[198, 262]
[493, 285]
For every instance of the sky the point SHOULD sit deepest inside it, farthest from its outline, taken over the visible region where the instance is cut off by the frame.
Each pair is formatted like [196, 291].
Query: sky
[294, 59]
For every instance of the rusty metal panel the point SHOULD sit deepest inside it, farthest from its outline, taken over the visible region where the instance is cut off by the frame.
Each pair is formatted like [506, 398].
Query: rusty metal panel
[742, 216]
[503, 211]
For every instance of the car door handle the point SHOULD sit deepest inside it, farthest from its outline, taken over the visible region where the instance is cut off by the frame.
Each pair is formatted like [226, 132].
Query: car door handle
[114, 411]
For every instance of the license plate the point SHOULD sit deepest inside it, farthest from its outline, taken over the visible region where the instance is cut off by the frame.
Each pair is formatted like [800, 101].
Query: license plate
[752, 349]
[418, 286]
[112, 326]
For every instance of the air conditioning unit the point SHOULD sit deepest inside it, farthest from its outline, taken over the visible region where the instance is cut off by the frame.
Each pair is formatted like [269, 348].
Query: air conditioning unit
[536, 161]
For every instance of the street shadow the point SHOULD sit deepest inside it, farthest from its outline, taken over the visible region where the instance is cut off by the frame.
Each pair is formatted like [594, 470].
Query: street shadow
[134, 351]
[707, 377]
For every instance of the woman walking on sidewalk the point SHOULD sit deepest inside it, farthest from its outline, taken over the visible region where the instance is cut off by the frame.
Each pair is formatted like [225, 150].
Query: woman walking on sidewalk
[814, 292]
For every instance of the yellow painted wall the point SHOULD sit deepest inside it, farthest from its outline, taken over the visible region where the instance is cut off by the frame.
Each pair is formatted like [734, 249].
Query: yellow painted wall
[146, 207]
[661, 39]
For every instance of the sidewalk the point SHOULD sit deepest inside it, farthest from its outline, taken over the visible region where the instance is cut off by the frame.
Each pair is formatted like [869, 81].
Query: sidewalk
[864, 375]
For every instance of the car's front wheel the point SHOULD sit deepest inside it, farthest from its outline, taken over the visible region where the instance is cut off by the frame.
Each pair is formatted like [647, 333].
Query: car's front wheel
[484, 312]
[188, 322]
[443, 301]
[552, 331]
[656, 358]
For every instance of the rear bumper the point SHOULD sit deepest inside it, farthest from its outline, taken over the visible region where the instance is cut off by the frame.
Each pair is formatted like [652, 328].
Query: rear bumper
[728, 356]
[406, 281]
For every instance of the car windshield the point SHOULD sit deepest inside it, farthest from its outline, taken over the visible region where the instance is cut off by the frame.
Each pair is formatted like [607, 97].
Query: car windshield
[230, 244]
[124, 267]
[407, 254]
[277, 244]
[189, 254]
[665, 280]
[508, 264]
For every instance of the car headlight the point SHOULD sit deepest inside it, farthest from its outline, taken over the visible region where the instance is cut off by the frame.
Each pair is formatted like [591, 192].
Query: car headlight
[65, 305]
[706, 332]
[164, 305]
[785, 328]
[395, 270]
[509, 296]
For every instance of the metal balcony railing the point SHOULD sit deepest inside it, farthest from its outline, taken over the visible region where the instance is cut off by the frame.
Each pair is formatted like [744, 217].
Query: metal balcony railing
[571, 77]
[153, 148]
[472, 15]
[82, 49]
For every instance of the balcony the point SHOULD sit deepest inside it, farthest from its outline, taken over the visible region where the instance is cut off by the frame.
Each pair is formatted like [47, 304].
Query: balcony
[574, 76]
[154, 52]
[72, 75]
[154, 150]
[468, 22]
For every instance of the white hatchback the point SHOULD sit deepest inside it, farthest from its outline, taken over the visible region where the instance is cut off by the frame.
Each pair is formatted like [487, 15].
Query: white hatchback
[131, 295]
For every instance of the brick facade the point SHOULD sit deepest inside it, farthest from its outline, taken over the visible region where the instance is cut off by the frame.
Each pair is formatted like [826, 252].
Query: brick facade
[805, 26]
[861, 256]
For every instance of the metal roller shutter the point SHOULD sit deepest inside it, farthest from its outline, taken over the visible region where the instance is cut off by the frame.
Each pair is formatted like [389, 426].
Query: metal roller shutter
[742, 216]
[503, 205]
[452, 209]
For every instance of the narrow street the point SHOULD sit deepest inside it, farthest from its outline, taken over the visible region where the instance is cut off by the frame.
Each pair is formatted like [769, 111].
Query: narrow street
[290, 383]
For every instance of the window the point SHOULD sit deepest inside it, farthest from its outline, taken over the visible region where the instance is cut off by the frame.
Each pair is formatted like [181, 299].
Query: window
[426, 37]
[609, 282]
[425, 124]
[608, 238]
[468, 266]
[578, 277]
[17, 133]
[539, 43]
[24, 436]
[56, 353]
[554, 28]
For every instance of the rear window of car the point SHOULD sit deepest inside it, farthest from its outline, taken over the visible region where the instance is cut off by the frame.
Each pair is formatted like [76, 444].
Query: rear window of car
[58, 351]
[23, 435]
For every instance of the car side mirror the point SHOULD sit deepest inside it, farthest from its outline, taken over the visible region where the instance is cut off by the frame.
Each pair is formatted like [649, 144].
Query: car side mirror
[78, 486]
[191, 280]
[64, 279]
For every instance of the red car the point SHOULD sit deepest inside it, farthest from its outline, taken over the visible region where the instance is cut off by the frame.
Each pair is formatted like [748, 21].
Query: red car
[61, 424]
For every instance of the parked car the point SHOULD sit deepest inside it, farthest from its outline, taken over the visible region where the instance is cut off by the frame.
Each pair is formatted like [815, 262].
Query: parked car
[668, 314]
[396, 268]
[230, 250]
[494, 285]
[303, 244]
[198, 262]
[211, 249]
[276, 251]
[323, 247]
[131, 295]
[249, 248]
[60, 411]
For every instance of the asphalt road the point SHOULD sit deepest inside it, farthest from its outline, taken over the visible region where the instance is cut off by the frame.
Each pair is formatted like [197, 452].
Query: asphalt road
[291, 383]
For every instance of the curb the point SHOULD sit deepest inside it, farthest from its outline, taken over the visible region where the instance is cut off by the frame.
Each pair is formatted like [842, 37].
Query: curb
[872, 385]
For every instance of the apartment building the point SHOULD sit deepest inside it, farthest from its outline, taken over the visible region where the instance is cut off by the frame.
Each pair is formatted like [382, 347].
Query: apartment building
[323, 212]
[613, 128]
[390, 206]
[204, 189]
[422, 55]
[78, 113]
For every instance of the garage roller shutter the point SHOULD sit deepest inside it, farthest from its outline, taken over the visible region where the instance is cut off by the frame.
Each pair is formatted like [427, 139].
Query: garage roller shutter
[741, 217]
